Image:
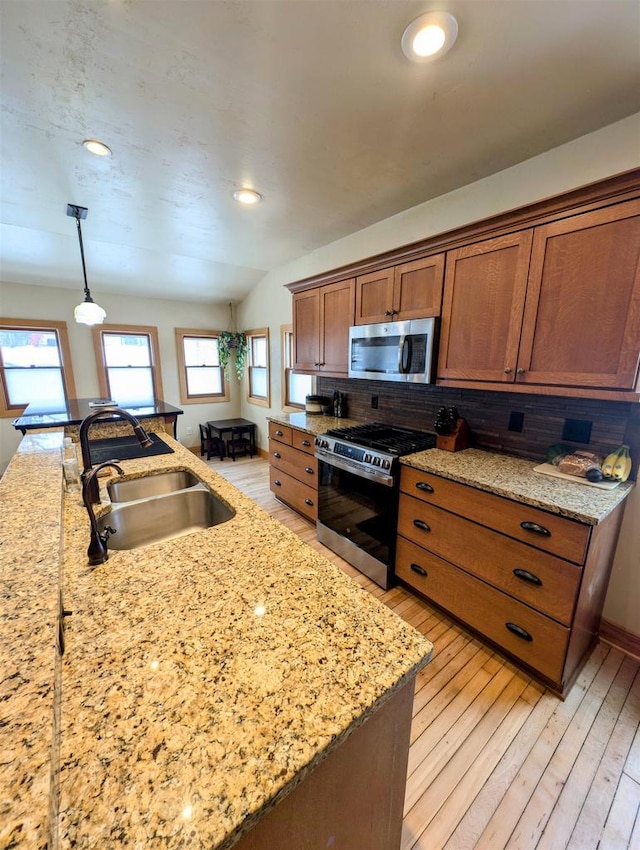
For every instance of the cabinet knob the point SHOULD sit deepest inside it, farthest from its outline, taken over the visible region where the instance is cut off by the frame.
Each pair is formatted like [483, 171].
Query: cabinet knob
[422, 485]
[507, 370]
[306, 443]
[418, 569]
[518, 631]
[520, 371]
[525, 575]
[277, 483]
[308, 470]
[308, 502]
[388, 313]
[535, 528]
[420, 523]
[278, 433]
[277, 454]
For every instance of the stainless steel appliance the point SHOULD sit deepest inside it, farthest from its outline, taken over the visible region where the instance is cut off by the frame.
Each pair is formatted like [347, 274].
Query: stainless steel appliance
[392, 351]
[358, 479]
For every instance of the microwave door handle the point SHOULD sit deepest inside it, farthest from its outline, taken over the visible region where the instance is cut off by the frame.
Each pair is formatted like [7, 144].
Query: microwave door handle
[404, 355]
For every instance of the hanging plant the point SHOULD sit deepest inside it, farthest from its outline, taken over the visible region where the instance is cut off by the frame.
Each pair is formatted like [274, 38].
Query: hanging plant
[236, 342]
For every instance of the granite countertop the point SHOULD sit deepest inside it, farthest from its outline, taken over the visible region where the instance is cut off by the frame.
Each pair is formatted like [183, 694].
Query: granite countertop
[514, 478]
[203, 677]
[313, 423]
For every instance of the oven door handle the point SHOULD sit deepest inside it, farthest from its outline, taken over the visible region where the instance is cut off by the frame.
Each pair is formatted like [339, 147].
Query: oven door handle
[354, 469]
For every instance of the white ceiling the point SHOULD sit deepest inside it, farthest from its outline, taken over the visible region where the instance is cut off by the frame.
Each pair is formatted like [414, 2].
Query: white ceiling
[311, 102]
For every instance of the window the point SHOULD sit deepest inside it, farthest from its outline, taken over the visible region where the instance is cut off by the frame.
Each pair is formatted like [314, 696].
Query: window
[258, 345]
[295, 388]
[35, 366]
[128, 364]
[200, 373]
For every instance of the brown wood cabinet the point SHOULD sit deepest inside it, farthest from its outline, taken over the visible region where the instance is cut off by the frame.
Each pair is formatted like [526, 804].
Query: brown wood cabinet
[556, 305]
[408, 291]
[530, 582]
[321, 321]
[293, 473]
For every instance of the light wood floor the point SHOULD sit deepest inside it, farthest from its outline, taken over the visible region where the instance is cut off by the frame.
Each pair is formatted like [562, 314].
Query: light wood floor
[497, 761]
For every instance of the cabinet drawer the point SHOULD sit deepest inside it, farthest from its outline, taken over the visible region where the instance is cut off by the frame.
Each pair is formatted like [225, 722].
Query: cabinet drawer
[544, 530]
[299, 496]
[534, 639]
[282, 433]
[536, 578]
[303, 441]
[299, 464]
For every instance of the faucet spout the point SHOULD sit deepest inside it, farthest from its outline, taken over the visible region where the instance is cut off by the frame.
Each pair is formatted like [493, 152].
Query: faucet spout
[111, 413]
[97, 551]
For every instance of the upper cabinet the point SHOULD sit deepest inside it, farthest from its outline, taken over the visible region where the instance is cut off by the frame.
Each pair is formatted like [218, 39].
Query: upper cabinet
[321, 321]
[484, 297]
[408, 291]
[557, 305]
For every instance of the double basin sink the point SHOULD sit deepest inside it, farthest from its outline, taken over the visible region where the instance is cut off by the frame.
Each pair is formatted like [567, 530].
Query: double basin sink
[160, 507]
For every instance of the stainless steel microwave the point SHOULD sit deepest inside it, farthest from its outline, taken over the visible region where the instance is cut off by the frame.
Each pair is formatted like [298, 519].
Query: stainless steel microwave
[392, 351]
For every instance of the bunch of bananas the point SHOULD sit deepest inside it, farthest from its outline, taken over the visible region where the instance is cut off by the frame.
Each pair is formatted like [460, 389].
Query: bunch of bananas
[617, 465]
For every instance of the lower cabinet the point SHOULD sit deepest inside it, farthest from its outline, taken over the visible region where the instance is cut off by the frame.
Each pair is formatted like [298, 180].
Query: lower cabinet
[293, 473]
[530, 582]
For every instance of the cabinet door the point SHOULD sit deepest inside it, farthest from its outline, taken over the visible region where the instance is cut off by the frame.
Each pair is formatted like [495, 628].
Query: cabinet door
[582, 317]
[417, 292]
[306, 330]
[484, 295]
[374, 297]
[336, 317]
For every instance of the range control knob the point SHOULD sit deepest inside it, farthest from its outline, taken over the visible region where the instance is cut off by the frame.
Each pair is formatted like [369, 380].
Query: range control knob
[367, 458]
[376, 461]
[386, 463]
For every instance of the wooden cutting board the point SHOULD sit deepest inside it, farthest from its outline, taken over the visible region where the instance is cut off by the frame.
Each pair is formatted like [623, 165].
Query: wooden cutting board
[550, 469]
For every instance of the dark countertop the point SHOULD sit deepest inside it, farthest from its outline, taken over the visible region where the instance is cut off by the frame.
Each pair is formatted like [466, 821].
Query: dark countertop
[36, 416]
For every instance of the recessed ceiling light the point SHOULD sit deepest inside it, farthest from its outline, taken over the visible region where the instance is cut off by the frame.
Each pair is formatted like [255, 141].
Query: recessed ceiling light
[247, 196]
[96, 147]
[429, 36]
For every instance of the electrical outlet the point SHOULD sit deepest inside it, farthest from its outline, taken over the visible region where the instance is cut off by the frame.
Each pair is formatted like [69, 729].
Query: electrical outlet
[374, 402]
[189, 430]
[576, 430]
[516, 420]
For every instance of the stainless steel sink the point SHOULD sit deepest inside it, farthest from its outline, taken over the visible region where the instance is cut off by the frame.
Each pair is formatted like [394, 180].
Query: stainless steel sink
[151, 485]
[160, 518]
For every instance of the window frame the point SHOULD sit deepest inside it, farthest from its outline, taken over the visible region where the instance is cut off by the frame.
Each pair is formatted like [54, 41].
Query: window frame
[263, 401]
[286, 344]
[185, 396]
[8, 410]
[149, 331]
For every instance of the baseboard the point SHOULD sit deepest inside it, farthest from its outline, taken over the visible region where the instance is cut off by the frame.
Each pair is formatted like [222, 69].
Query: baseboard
[616, 636]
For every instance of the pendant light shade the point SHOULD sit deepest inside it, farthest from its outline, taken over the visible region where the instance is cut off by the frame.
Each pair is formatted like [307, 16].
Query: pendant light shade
[87, 313]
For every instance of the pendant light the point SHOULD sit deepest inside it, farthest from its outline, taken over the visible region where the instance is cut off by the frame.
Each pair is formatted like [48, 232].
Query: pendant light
[87, 313]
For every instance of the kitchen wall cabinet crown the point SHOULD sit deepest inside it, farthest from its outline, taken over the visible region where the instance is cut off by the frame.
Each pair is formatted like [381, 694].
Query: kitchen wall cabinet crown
[408, 291]
[558, 305]
[321, 321]
[544, 299]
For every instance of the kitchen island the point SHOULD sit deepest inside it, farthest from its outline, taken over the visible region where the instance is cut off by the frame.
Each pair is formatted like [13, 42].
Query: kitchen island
[206, 680]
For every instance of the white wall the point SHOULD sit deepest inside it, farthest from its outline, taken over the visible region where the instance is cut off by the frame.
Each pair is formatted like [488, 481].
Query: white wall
[609, 151]
[44, 302]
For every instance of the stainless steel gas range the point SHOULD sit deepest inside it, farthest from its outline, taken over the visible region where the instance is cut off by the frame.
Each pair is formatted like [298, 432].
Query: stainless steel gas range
[358, 480]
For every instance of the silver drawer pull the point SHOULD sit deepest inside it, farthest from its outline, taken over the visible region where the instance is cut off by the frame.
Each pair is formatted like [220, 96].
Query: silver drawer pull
[308, 502]
[278, 433]
[277, 483]
[420, 523]
[277, 454]
[537, 529]
[306, 443]
[418, 569]
[518, 631]
[309, 470]
[422, 485]
[525, 575]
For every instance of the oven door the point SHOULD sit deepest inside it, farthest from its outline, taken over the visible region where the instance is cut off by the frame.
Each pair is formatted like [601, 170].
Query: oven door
[357, 518]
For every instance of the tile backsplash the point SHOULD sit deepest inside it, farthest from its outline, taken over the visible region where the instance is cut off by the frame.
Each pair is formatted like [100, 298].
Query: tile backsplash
[489, 415]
